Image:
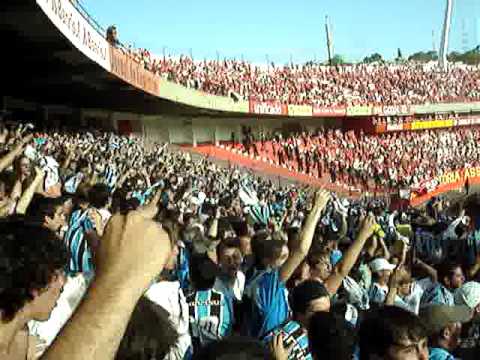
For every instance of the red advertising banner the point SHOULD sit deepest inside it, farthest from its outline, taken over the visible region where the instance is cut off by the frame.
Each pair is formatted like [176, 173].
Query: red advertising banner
[135, 74]
[395, 127]
[444, 183]
[322, 111]
[268, 108]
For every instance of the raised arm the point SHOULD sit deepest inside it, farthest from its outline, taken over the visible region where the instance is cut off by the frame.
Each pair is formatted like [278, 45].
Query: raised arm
[132, 252]
[300, 252]
[345, 265]
[28, 194]
[432, 273]
[8, 159]
[473, 271]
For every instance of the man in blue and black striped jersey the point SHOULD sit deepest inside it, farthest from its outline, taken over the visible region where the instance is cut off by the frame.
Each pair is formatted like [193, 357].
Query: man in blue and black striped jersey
[82, 236]
[307, 298]
[266, 295]
[211, 312]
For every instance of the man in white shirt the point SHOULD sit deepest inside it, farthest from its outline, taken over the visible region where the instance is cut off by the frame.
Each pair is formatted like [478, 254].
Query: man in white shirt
[231, 282]
[170, 297]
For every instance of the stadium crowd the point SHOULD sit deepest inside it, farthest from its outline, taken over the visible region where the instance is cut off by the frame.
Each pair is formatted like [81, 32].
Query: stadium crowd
[391, 161]
[319, 85]
[110, 248]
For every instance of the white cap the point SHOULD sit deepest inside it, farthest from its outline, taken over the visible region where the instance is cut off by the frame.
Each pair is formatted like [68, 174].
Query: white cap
[468, 294]
[380, 265]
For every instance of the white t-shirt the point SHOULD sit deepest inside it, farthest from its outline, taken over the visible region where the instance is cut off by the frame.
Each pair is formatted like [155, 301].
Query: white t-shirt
[235, 291]
[73, 292]
[170, 297]
[411, 302]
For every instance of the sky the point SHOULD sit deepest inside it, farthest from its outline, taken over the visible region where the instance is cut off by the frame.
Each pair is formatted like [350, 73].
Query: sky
[281, 31]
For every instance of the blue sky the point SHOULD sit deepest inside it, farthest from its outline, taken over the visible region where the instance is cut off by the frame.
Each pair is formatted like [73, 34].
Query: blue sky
[284, 29]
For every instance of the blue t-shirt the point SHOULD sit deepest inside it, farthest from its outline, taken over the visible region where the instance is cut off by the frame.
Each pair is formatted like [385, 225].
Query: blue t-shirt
[267, 298]
[293, 333]
[439, 354]
[183, 267]
[211, 316]
[437, 295]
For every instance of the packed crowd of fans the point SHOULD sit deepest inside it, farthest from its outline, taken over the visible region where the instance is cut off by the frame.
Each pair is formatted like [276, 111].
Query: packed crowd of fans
[113, 249]
[392, 160]
[321, 85]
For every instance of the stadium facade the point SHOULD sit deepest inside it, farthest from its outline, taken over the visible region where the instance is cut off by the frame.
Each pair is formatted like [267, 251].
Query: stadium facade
[62, 68]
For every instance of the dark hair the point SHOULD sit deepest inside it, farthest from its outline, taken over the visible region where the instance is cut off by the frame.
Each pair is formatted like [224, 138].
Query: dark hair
[388, 326]
[228, 243]
[233, 348]
[241, 228]
[446, 270]
[265, 248]
[41, 207]
[82, 164]
[30, 255]
[203, 272]
[149, 334]
[99, 195]
[330, 337]
[314, 257]
[304, 293]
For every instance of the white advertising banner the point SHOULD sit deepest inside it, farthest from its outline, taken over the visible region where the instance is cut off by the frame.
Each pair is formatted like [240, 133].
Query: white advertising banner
[77, 29]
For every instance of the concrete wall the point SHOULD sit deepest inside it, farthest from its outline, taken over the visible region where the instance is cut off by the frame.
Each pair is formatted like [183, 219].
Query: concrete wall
[197, 130]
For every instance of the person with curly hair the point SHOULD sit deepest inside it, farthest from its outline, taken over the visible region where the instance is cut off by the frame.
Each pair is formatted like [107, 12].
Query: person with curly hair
[31, 280]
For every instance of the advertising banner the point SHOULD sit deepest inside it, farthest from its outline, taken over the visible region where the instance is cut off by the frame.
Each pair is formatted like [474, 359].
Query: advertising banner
[300, 110]
[393, 110]
[133, 73]
[395, 127]
[433, 124]
[78, 30]
[322, 111]
[359, 110]
[268, 108]
[449, 181]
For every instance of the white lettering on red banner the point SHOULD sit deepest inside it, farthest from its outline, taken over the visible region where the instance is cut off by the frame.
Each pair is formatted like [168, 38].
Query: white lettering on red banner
[268, 108]
[394, 127]
[329, 111]
[78, 30]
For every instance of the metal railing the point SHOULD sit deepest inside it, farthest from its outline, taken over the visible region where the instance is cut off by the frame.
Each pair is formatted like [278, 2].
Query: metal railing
[94, 23]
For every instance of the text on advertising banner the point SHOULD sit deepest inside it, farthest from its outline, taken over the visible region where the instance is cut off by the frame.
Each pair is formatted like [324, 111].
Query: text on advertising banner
[359, 110]
[133, 73]
[77, 29]
[422, 125]
[268, 108]
[322, 111]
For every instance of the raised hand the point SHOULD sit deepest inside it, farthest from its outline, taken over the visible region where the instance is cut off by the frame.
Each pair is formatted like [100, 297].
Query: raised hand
[134, 248]
[368, 227]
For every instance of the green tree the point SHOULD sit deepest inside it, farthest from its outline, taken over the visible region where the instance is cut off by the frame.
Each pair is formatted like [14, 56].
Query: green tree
[373, 58]
[423, 57]
[338, 60]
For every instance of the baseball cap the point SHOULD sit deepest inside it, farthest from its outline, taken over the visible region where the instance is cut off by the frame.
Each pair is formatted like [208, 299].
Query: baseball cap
[380, 265]
[437, 317]
[468, 294]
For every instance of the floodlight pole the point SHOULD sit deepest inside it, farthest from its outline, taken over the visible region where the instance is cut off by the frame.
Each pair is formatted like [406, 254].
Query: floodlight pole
[442, 59]
[329, 40]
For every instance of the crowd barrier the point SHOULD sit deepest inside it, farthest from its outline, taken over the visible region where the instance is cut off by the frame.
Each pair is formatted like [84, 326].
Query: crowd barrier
[450, 181]
[77, 27]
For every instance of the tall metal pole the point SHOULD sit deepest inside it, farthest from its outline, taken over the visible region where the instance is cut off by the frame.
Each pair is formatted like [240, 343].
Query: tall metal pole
[445, 36]
[329, 40]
